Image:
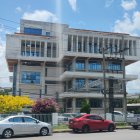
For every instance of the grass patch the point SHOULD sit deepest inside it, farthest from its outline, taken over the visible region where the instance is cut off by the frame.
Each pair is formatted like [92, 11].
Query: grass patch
[60, 127]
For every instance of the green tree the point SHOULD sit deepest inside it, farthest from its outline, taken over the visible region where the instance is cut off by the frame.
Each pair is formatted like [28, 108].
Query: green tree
[85, 108]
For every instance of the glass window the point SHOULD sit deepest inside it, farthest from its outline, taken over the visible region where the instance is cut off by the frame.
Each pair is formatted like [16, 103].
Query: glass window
[80, 65]
[30, 77]
[48, 34]
[93, 84]
[118, 103]
[29, 120]
[114, 66]
[96, 103]
[79, 84]
[34, 31]
[48, 49]
[16, 119]
[79, 102]
[94, 66]
[69, 103]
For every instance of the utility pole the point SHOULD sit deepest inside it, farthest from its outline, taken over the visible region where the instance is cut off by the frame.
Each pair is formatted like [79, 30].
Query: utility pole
[124, 83]
[104, 79]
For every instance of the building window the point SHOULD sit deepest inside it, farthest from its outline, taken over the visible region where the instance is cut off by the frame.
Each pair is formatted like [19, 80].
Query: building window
[79, 102]
[93, 84]
[48, 33]
[114, 66]
[94, 66]
[46, 72]
[69, 103]
[118, 103]
[96, 103]
[32, 48]
[80, 83]
[34, 31]
[29, 77]
[45, 89]
[48, 49]
[80, 65]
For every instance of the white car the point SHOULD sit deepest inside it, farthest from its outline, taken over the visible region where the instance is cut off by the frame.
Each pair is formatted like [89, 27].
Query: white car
[23, 125]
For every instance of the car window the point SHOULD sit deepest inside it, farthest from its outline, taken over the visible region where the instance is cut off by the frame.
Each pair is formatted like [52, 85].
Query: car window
[16, 119]
[79, 116]
[93, 117]
[29, 120]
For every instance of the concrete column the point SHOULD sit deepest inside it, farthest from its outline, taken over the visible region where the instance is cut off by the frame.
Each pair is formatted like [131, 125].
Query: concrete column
[86, 65]
[40, 50]
[18, 76]
[72, 43]
[42, 80]
[45, 49]
[51, 49]
[132, 48]
[87, 86]
[93, 44]
[127, 46]
[113, 45]
[87, 44]
[118, 47]
[73, 84]
[103, 44]
[74, 105]
[35, 48]
[82, 43]
[73, 65]
[77, 43]
[25, 47]
[98, 45]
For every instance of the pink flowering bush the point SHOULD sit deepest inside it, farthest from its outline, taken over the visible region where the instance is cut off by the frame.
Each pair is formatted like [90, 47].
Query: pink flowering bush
[45, 106]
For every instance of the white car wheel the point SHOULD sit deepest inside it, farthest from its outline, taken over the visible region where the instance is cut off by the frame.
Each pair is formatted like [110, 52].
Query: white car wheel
[8, 133]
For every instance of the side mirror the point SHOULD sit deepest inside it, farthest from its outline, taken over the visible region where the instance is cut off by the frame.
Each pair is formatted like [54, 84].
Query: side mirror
[37, 121]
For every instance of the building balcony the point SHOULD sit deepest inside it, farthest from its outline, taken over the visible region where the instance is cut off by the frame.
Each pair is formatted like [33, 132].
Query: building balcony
[96, 74]
[129, 59]
[86, 95]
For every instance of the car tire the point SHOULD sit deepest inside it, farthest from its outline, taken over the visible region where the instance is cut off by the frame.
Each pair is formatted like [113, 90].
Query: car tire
[85, 129]
[75, 130]
[7, 133]
[111, 128]
[135, 127]
[44, 131]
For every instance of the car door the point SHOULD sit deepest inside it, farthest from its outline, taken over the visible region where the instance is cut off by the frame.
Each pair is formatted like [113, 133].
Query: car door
[96, 122]
[31, 125]
[17, 125]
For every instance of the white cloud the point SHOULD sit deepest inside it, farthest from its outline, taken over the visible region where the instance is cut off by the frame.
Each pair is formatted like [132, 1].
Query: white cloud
[4, 74]
[128, 4]
[40, 15]
[128, 24]
[18, 9]
[73, 4]
[108, 3]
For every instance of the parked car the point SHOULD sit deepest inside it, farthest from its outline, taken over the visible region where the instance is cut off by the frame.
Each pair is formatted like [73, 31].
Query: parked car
[90, 122]
[23, 125]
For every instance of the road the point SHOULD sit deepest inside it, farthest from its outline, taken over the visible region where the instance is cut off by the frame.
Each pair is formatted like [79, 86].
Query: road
[121, 134]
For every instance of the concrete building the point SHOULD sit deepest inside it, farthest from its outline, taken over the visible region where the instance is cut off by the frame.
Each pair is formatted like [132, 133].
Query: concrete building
[67, 64]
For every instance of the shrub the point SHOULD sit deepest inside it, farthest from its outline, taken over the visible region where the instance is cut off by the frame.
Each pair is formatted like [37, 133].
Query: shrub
[45, 106]
[13, 104]
[85, 108]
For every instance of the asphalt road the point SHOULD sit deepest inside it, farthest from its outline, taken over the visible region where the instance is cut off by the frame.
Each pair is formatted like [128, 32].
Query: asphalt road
[121, 134]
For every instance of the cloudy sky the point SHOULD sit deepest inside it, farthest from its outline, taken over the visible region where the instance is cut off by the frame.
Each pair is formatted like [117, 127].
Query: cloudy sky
[102, 15]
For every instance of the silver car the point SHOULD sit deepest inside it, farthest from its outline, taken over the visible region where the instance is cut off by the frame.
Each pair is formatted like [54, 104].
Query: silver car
[23, 125]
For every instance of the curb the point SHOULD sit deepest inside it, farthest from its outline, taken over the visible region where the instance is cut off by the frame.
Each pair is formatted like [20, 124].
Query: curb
[69, 130]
